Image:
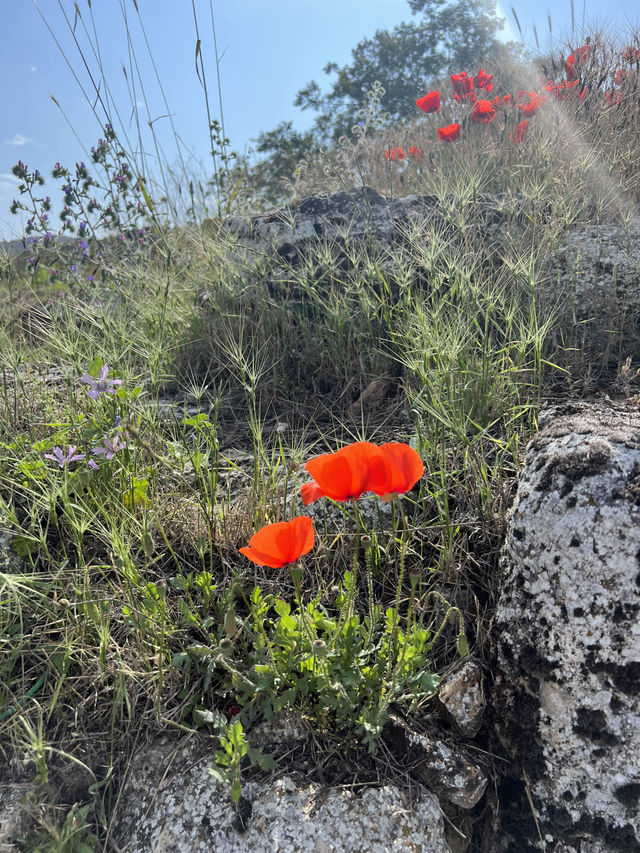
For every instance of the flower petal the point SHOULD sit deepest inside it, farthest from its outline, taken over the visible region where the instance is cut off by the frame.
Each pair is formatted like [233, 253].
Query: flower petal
[404, 465]
[279, 544]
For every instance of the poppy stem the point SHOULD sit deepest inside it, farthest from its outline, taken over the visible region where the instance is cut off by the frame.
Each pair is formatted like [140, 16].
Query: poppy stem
[366, 542]
[296, 576]
[403, 554]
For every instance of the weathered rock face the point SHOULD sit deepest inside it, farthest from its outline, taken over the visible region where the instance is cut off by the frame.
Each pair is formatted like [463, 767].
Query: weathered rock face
[462, 696]
[567, 694]
[594, 279]
[14, 819]
[456, 779]
[592, 276]
[361, 214]
[171, 803]
[599, 265]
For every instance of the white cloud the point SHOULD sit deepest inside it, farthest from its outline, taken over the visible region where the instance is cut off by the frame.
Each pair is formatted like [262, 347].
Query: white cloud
[33, 68]
[18, 139]
[7, 176]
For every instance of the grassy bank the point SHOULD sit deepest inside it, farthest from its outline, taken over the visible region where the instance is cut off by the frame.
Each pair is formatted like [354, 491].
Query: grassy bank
[199, 384]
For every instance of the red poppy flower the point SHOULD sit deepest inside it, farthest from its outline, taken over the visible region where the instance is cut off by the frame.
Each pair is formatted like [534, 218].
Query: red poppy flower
[501, 101]
[415, 153]
[523, 97]
[558, 91]
[614, 98]
[530, 109]
[621, 76]
[576, 59]
[449, 133]
[430, 103]
[631, 54]
[483, 112]
[462, 87]
[277, 545]
[346, 474]
[482, 80]
[404, 469]
[395, 154]
[519, 132]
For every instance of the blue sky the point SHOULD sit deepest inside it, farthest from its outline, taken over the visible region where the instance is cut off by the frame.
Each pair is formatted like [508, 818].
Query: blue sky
[270, 49]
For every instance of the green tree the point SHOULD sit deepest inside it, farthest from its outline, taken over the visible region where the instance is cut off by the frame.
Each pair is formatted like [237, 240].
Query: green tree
[285, 148]
[447, 36]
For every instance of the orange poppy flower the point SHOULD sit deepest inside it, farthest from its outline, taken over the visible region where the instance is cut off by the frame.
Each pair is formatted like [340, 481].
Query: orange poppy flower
[575, 59]
[449, 133]
[346, 474]
[277, 545]
[430, 103]
[519, 133]
[501, 101]
[395, 154]
[530, 109]
[404, 469]
[482, 80]
[462, 87]
[483, 112]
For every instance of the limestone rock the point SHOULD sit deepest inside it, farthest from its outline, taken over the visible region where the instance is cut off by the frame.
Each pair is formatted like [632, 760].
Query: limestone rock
[355, 215]
[462, 695]
[599, 265]
[436, 765]
[170, 803]
[567, 694]
[15, 817]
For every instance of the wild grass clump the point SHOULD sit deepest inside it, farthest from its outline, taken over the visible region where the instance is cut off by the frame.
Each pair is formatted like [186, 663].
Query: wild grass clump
[159, 411]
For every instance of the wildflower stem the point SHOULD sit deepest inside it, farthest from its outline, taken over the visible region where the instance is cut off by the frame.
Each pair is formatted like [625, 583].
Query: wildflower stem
[396, 609]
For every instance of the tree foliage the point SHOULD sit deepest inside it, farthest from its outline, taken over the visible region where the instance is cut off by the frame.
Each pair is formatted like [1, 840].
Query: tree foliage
[447, 35]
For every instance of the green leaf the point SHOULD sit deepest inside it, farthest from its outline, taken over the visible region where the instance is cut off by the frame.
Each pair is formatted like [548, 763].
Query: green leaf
[219, 774]
[463, 646]
[195, 420]
[22, 546]
[211, 718]
[236, 791]
[281, 607]
[94, 366]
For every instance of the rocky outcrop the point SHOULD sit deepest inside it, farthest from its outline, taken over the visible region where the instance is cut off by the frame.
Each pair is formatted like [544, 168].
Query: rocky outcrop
[598, 266]
[443, 768]
[171, 803]
[590, 276]
[567, 628]
[357, 215]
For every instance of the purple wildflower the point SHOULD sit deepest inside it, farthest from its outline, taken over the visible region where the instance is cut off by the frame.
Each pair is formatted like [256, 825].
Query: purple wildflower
[111, 447]
[58, 456]
[101, 385]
